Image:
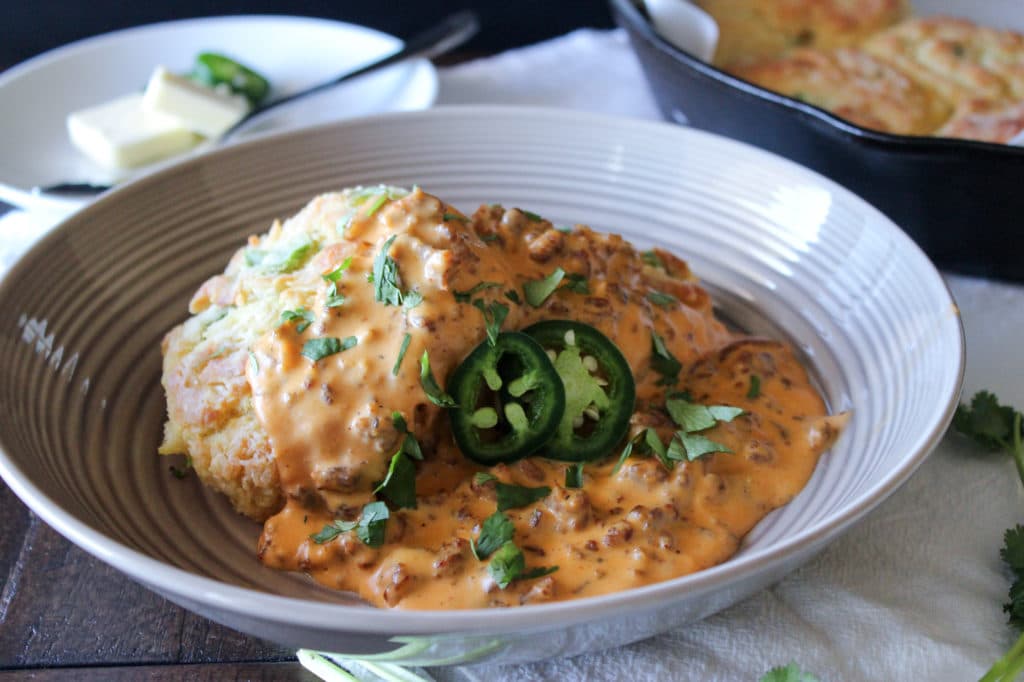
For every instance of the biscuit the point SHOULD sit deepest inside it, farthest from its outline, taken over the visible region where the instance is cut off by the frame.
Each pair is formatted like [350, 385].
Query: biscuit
[853, 85]
[956, 58]
[985, 121]
[755, 29]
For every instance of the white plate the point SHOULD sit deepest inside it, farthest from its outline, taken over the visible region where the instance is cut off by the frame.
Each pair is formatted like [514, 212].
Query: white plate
[786, 252]
[292, 52]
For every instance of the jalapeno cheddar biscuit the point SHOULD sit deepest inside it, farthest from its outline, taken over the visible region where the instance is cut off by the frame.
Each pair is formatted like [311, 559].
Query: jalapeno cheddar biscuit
[753, 29]
[854, 85]
[437, 410]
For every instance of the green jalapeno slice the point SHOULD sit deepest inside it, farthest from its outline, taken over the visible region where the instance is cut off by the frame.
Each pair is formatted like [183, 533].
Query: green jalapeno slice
[212, 69]
[599, 390]
[510, 400]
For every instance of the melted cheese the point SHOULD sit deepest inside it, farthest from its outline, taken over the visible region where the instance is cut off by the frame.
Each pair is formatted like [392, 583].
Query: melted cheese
[330, 427]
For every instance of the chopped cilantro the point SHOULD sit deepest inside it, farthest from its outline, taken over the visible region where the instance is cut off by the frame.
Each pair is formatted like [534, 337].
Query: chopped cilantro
[537, 291]
[651, 258]
[512, 496]
[386, 281]
[434, 392]
[401, 353]
[532, 216]
[574, 476]
[653, 442]
[286, 258]
[692, 417]
[660, 299]
[513, 296]
[399, 485]
[577, 284]
[374, 206]
[335, 274]
[494, 315]
[497, 529]
[755, 387]
[455, 216]
[370, 527]
[334, 298]
[626, 452]
[412, 299]
[304, 317]
[321, 347]
[182, 471]
[689, 447]
[789, 673]
[508, 565]
[467, 296]
[410, 445]
[662, 360]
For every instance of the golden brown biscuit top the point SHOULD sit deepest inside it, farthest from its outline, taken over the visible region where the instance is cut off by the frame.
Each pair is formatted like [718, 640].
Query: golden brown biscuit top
[754, 29]
[854, 85]
[985, 121]
[955, 57]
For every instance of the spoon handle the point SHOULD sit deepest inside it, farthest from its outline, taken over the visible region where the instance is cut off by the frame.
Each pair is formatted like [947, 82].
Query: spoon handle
[453, 31]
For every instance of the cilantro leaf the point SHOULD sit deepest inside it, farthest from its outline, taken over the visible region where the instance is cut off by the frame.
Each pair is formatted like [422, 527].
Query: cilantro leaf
[660, 299]
[512, 496]
[182, 471]
[692, 446]
[755, 387]
[688, 416]
[283, 259]
[369, 528]
[375, 205]
[411, 299]
[399, 485]
[322, 347]
[577, 284]
[430, 387]
[653, 441]
[373, 524]
[508, 565]
[651, 258]
[497, 529]
[626, 452]
[662, 360]
[513, 296]
[789, 673]
[335, 274]
[574, 476]
[538, 290]
[986, 421]
[401, 353]
[1013, 548]
[410, 445]
[532, 216]
[494, 315]
[333, 530]
[304, 316]
[386, 280]
[455, 216]
[467, 296]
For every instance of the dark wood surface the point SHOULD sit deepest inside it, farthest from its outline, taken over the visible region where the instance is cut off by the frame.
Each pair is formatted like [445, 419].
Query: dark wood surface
[63, 610]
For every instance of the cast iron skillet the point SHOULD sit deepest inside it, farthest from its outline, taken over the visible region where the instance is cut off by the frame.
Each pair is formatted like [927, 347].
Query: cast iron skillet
[961, 201]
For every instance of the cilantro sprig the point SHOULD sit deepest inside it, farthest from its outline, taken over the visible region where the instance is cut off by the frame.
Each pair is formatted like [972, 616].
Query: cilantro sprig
[370, 528]
[998, 427]
[511, 496]
[434, 392]
[788, 673]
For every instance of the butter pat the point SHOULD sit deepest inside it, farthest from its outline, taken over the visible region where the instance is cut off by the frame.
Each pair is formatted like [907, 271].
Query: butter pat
[124, 134]
[200, 109]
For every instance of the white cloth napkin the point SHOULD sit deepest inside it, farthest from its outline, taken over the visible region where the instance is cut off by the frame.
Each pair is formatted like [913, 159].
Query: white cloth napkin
[913, 592]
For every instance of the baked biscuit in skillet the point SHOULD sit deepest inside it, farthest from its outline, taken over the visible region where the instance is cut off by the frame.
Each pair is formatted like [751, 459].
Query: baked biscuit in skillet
[754, 29]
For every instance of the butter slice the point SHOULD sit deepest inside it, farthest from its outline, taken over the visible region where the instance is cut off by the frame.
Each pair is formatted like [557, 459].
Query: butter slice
[121, 133]
[200, 109]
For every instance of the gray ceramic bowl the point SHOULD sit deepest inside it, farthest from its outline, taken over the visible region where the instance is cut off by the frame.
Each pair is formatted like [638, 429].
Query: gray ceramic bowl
[785, 251]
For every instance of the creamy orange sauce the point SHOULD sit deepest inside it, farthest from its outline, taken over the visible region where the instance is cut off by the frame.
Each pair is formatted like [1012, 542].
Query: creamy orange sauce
[329, 422]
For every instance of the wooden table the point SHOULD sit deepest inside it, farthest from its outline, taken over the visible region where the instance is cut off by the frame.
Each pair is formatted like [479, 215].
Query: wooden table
[66, 615]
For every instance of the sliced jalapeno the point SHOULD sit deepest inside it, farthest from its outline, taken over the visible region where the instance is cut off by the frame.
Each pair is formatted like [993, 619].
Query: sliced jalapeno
[599, 390]
[510, 400]
[213, 69]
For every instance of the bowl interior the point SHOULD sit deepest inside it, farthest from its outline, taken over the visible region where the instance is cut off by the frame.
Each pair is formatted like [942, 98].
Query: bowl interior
[784, 251]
